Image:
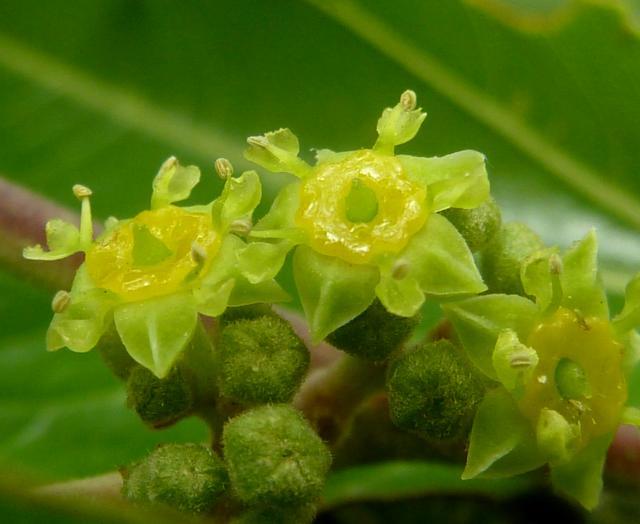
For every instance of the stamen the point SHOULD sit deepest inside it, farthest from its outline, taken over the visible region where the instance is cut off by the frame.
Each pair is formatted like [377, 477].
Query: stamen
[83, 193]
[408, 100]
[224, 168]
[60, 301]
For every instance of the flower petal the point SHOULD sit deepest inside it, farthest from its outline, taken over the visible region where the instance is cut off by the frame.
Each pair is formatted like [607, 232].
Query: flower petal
[513, 362]
[173, 183]
[156, 331]
[239, 198]
[440, 260]
[480, 320]
[456, 180]
[629, 317]
[260, 261]
[581, 286]
[536, 278]
[332, 291]
[277, 151]
[399, 124]
[401, 297]
[63, 240]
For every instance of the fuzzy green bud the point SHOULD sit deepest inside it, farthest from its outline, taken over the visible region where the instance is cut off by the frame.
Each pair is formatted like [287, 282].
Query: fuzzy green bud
[374, 334]
[188, 477]
[502, 258]
[115, 355]
[277, 515]
[232, 314]
[261, 360]
[479, 225]
[433, 391]
[159, 402]
[273, 456]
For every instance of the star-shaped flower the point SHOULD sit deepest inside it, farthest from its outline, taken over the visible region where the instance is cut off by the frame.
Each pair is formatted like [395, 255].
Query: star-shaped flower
[560, 367]
[154, 273]
[365, 223]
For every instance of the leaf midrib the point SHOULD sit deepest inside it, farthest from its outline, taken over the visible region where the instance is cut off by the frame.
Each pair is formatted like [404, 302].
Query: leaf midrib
[483, 108]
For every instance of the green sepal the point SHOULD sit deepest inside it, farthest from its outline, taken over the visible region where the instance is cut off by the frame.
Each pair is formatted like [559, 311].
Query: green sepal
[173, 183]
[629, 317]
[63, 240]
[480, 320]
[156, 331]
[82, 323]
[513, 362]
[213, 298]
[277, 151]
[398, 125]
[402, 297]
[457, 180]
[440, 260]
[332, 291]
[268, 292]
[238, 199]
[556, 438]
[581, 477]
[536, 278]
[502, 443]
[279, 222]
[260, 261]
[581, 286]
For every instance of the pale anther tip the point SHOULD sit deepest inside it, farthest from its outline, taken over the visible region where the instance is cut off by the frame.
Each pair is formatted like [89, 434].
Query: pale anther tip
[224, 168]
[81, 191]
[60, 301]
[198, 253]
[408, 100]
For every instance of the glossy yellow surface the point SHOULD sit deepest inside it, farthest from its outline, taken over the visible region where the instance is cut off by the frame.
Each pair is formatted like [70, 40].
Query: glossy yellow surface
[590, 343]
[110, 261]
[322, 214]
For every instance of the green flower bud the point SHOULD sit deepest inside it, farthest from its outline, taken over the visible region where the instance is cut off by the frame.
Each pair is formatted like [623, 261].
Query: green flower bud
[261, 360]
[159, 402]
[433, 391]
[245, 313]
[273, 456]
[277, 515]
[189, 477]
[502, 258]
[115, 355]
[374, 334]
[477, 226]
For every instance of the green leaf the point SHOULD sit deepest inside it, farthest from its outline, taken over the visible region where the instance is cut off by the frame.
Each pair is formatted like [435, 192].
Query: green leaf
[440, 260]
[479, 321]
[332, 291]
[502, 442]
[581, 286]
[581, 478]
[156, 331]
[455, 180]
[173, 183]
[397, 479]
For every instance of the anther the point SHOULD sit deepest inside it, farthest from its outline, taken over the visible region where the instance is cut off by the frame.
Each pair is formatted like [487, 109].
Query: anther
[198, 253]
[408, 100]
[224, 168]
[81, 191]
[400, 269]
[60, 301]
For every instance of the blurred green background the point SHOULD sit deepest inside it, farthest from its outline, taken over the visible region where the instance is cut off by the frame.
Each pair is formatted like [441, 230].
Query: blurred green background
[100, 92]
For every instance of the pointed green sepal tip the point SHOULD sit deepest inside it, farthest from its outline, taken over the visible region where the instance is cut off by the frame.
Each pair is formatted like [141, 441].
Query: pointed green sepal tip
[261, 360]
[156, 331]
[187, 477]
[173, 183]
[513, 362]
[277, 151]
[63, 240]
[159, 402]
[374, 334]
[274, 457]
[261, 261]
[629, 317]
[433, 391]
[332, 291]
[400, 123]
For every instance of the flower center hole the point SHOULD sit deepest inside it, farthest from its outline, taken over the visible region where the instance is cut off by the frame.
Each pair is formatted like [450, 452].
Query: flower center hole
[361, 202]
[148, 250]
[571, 380]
